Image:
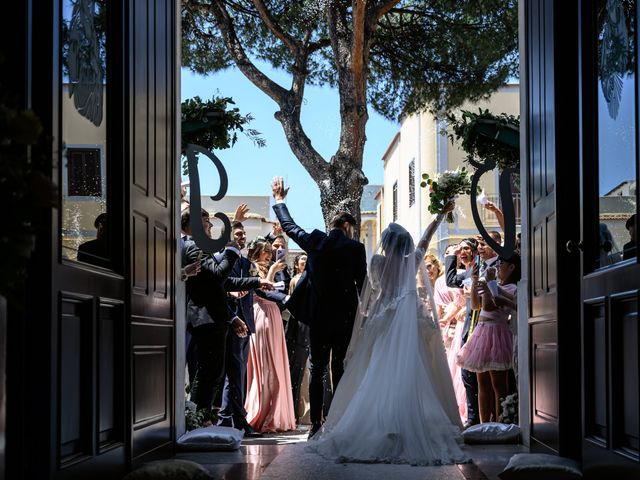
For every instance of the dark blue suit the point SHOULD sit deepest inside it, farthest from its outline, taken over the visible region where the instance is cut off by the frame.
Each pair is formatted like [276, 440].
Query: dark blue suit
[232, 412]
[326, 297]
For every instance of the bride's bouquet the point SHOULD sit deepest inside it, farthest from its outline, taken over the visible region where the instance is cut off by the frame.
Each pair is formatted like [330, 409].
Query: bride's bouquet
[445, 187]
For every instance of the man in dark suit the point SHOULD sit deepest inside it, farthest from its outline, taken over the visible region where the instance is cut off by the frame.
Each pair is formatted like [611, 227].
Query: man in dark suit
[232, 412]
[209, 316]
[334, 275]
[466, 252]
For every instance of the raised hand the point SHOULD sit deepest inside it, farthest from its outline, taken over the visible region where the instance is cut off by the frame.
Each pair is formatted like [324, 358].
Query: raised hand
[490, 206]
[241, 213]
[278, 190]
[278, 266]
[277, 229]
[449, 206]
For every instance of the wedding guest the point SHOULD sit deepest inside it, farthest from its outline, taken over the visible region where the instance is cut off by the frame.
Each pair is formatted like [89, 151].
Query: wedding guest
[208, 315]
[269, 404]
[232, 412]
[487, 255]
[188, 270]
[489, 351]
[298, 348]
[465, 253]
[497, 212]
[629, 248]
[434, 267]
[279, 244]
[451, 306]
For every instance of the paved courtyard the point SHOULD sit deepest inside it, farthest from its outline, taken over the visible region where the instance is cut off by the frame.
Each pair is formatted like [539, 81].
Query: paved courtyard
[282, 457]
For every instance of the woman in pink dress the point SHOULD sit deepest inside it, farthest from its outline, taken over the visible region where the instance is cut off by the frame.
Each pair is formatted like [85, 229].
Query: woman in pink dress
[451, 311]
[489, 352]
[269, 404]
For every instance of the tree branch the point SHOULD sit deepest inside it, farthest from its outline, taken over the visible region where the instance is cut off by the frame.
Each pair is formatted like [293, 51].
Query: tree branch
[384, 7]
[301, 146]
[270, 22]
[225, 24]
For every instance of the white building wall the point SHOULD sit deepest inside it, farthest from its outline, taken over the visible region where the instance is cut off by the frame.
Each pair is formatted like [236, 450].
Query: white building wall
[422, 138]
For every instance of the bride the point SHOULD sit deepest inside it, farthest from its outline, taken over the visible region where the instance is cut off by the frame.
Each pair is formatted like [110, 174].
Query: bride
[395, 402]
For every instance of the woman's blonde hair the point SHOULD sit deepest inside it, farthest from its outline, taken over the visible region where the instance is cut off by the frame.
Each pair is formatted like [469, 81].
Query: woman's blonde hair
[430, 257]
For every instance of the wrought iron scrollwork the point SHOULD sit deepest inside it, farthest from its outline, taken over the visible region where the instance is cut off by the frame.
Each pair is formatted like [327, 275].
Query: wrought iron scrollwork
[509, 247]
[208, 245]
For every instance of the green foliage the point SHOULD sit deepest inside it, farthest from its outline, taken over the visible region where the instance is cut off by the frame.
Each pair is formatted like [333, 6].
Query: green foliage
[213, 125]
[434, 53]
[25, 188]
[485, 136]
[194, 418]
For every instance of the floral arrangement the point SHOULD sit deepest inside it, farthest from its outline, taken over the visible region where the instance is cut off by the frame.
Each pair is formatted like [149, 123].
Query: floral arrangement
[445, 187]
[509, 409]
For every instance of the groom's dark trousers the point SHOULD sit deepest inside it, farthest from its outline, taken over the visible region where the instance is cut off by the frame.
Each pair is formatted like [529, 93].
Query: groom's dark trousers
[327, 298]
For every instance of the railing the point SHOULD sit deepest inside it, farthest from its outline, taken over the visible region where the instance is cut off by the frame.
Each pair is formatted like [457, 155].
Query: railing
[488, 218]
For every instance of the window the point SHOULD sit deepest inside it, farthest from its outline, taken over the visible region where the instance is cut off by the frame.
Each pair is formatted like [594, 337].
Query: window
[395, 201]
[412, 183]
[84, 172]
[84, 223]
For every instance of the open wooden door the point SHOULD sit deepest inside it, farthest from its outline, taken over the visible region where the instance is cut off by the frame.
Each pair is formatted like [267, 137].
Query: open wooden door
[552, 192]
[90, 364]
[607, 244]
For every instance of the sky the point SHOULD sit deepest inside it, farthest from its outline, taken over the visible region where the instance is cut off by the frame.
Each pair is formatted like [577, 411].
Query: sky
[250, 169]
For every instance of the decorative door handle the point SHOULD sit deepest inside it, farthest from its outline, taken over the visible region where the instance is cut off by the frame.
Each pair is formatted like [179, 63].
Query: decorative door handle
[573, 247]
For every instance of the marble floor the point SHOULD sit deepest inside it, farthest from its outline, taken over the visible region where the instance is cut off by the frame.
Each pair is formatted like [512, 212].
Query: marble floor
[282, 457]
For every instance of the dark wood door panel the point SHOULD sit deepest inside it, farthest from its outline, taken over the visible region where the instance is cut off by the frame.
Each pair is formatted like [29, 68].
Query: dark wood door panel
[625, 395]
[596, 372]
[544, 390]
[152, 376]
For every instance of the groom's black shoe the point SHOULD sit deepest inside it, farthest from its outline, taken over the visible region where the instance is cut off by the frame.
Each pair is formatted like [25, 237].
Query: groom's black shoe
[250, 432]
[314, 429]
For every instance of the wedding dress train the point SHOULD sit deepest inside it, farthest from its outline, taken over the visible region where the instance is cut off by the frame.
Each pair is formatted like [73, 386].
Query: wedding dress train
[395, 402]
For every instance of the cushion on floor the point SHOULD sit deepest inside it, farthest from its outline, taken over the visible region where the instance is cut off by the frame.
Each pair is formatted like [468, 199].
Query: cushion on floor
[211, 439]
[534, 466]
[170, 470]
[492, 432]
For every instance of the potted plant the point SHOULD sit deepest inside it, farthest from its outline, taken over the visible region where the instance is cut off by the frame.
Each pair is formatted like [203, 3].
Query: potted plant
[487, 137]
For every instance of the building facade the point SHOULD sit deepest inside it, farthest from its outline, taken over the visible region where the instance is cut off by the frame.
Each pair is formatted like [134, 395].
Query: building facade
[422, 146]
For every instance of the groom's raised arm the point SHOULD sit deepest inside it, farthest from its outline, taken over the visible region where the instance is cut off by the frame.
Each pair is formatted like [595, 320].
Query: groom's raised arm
[290, 227]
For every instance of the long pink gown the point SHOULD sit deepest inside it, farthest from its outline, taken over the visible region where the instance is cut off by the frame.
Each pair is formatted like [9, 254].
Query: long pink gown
[269, 402]
[452, 300]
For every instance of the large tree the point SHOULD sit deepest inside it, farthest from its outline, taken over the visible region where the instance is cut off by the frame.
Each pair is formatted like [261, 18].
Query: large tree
[400, 56]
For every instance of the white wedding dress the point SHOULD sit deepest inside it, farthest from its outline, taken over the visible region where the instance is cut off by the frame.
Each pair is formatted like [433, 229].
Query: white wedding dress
[395, 402]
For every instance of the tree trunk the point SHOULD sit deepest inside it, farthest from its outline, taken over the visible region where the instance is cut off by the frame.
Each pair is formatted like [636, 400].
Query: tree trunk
[341, 191]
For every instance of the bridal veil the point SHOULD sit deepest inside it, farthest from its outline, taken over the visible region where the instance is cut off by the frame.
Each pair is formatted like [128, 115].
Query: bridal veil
[395, 402]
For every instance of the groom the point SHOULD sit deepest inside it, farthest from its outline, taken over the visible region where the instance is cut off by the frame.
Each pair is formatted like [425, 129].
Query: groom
[326, 296]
